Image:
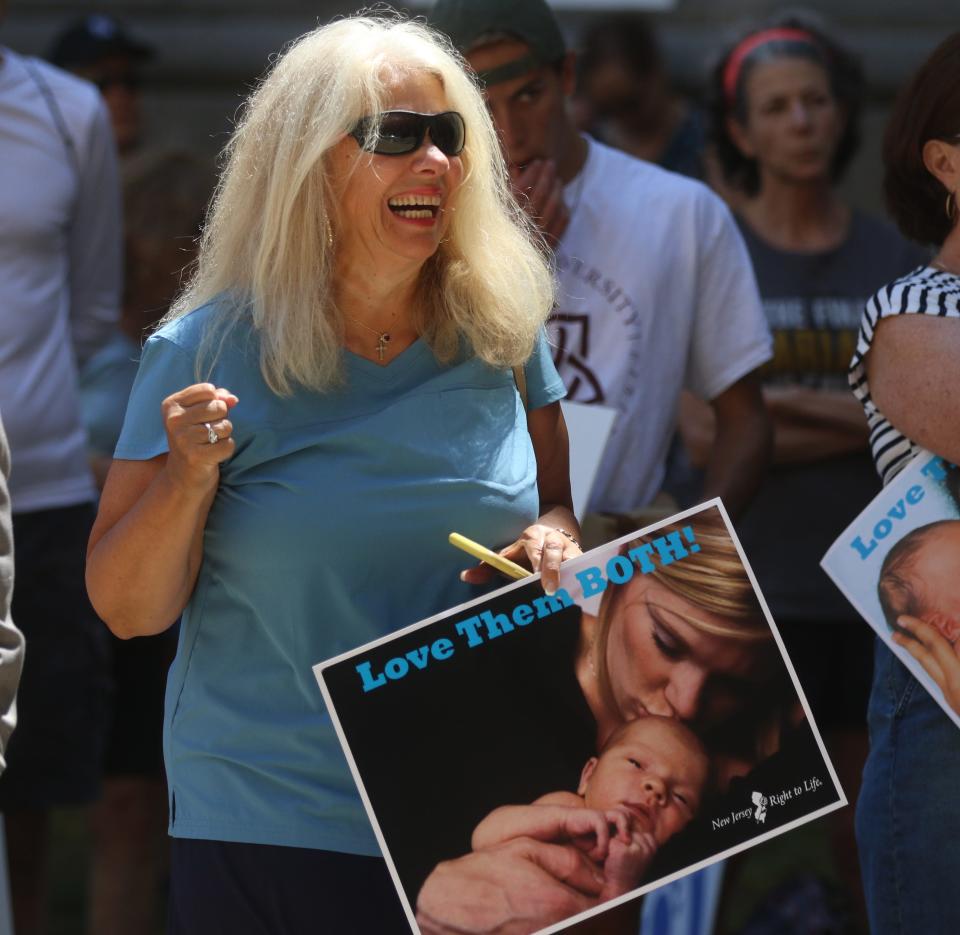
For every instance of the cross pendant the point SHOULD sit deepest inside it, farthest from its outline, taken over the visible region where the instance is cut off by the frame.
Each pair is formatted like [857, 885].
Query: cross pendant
[382, 340]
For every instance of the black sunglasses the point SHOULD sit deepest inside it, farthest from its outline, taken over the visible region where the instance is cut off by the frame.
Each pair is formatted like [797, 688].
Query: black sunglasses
[402, 131]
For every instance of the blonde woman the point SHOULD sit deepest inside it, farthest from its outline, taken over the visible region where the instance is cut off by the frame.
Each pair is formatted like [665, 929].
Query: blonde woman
[331, 395]
[690, 641]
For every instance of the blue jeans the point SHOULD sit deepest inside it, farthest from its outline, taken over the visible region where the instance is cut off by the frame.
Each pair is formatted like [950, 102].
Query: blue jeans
[908, 813]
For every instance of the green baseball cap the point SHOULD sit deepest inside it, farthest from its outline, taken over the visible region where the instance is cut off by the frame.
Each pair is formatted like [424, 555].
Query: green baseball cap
[530, 21]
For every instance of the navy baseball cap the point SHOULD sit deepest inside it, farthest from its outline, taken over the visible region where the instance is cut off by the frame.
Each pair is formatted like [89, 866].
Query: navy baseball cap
[93, 38]
[530, 21]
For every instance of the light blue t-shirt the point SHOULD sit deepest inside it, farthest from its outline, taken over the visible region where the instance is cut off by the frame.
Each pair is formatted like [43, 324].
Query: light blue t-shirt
[105, 382]
[329, 529]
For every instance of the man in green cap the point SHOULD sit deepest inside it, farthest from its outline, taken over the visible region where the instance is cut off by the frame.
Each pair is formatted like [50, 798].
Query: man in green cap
[656, 295]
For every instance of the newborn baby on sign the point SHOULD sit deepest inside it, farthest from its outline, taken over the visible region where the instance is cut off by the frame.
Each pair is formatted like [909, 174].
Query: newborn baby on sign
[920, 577]
[643, 788]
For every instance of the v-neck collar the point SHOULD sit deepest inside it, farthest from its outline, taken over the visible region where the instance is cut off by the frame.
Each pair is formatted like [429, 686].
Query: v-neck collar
[408, 358]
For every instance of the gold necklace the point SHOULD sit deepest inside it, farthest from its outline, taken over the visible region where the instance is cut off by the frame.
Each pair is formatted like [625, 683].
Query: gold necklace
[383, 337]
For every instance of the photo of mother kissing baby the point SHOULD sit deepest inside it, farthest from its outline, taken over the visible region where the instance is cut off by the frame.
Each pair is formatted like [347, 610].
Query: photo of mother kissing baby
[561, 758]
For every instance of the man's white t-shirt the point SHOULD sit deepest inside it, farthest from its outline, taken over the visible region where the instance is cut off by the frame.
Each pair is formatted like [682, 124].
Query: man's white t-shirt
[656, 295]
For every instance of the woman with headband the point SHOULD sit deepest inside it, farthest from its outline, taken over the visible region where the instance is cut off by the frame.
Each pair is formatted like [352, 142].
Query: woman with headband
[330, 396]
[903, 372]
[785, 103]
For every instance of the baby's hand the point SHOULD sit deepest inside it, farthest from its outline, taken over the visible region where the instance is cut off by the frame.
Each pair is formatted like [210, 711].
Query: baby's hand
[622, 820]
[626, 863]
[589, 830]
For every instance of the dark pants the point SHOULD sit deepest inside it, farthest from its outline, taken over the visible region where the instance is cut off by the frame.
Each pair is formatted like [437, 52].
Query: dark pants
[134, 745]
[833, 660]
[55, 756]
[222, 888]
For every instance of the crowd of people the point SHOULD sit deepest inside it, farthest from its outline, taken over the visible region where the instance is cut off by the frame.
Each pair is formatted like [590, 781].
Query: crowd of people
[221, 393]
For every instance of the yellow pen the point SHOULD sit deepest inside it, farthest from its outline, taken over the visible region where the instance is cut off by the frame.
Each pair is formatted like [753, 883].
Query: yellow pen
[491, 558]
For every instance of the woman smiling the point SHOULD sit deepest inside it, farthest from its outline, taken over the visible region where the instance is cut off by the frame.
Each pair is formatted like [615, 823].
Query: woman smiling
[331, 395]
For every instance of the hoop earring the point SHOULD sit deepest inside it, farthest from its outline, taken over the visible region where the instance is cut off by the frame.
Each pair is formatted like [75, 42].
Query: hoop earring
[951, 206]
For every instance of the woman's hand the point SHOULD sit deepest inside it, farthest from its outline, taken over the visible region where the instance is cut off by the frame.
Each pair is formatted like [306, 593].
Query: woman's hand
[146, 546]
[541, 548]
[194, 460]
[934, 653]
[539, 189]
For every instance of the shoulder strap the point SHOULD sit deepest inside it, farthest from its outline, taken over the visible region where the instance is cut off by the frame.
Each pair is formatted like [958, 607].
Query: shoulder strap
[55, 113]
[520, 378]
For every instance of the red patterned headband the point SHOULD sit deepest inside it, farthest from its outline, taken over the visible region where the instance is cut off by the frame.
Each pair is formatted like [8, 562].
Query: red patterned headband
[731, 71]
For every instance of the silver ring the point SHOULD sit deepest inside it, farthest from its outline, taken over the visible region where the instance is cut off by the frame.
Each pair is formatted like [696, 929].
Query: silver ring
[212, 436]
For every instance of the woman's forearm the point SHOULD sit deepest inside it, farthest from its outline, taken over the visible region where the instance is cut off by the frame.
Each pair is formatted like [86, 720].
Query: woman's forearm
[145, 548]
[808, 425]
[147, 542]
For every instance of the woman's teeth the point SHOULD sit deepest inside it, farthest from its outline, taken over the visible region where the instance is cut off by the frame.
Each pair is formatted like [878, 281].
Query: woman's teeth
[415, 206]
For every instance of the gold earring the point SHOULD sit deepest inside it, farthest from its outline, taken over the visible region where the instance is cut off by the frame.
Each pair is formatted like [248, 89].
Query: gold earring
[329, 233]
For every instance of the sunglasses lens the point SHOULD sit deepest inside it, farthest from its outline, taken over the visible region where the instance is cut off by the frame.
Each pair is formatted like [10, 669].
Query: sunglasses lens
[400, 133]
[447, 132]
[403, 132]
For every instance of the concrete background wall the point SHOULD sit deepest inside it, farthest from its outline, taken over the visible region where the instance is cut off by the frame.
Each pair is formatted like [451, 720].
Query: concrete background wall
[211, 51]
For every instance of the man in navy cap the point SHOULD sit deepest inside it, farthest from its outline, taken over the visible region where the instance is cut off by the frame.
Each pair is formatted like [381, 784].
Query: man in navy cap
[656, 292]
[99, 49]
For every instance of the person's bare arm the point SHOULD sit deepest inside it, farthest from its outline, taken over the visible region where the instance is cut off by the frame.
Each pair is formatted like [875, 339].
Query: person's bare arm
[911, 366]
[513, 888]
[146, 544]
[741, 446]
[808, 425]
[834, 409]
[541, 546]
[11, 639]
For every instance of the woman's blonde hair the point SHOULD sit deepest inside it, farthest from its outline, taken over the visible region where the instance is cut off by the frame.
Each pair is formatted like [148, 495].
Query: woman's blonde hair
[270, 236]
[712, 579]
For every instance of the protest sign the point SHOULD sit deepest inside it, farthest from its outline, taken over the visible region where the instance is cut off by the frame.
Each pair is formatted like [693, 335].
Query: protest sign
[901, 557]
[644, 714]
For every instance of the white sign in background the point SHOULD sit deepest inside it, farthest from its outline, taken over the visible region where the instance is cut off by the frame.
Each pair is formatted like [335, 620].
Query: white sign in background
[589, 429]
[915, 497]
